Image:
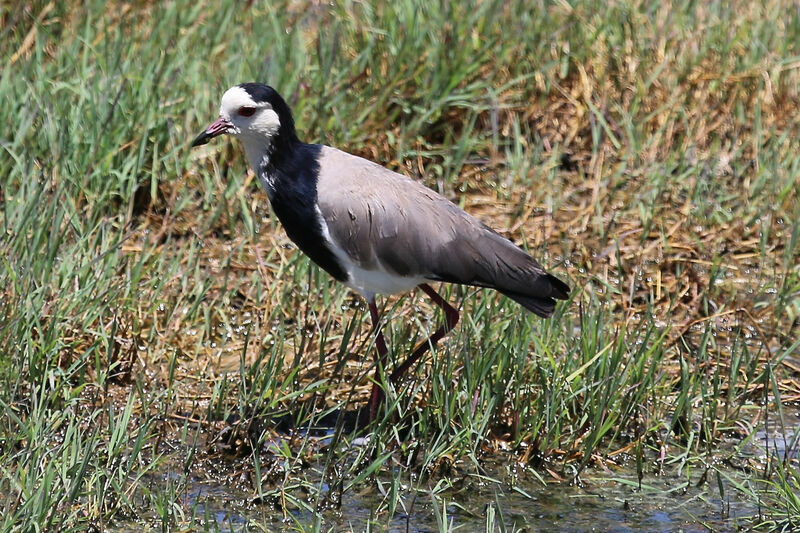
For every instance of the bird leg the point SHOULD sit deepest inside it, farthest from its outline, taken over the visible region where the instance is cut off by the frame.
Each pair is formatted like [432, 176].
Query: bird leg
[376, 395]
[450, 321]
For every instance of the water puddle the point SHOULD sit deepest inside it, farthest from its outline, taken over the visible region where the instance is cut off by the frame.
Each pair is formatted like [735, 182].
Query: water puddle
[671, 497]
[779, 435]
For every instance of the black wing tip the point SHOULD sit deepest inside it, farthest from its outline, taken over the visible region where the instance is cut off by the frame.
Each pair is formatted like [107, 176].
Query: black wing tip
[543, 306]
[560, 289]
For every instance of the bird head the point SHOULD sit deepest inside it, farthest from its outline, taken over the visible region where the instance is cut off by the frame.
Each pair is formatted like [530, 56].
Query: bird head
[252, 112]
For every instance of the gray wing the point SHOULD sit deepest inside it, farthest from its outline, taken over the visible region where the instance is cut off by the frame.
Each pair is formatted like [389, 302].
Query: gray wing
[384, 220]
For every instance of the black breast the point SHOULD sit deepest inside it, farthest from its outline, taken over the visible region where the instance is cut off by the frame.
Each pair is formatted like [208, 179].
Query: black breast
[294, 200]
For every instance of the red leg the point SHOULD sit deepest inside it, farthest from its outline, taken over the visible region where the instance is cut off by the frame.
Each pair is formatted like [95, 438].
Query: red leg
[380, 360]
[450, 321]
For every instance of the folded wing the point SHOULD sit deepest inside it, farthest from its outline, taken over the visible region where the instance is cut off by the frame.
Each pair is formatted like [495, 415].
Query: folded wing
[386, 221]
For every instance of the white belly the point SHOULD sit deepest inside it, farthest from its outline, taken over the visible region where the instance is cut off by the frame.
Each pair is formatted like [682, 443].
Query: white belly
[371, 282]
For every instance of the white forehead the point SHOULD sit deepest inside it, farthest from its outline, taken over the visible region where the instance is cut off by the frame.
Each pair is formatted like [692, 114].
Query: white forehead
[233, 99]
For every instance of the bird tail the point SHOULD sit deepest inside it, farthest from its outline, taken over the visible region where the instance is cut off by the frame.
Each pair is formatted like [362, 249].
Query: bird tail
[542, 306]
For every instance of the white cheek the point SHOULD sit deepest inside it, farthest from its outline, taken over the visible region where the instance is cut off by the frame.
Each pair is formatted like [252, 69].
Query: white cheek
[266, 123]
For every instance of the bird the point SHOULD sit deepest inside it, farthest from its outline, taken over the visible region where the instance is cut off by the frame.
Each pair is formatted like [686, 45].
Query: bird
[373, 229]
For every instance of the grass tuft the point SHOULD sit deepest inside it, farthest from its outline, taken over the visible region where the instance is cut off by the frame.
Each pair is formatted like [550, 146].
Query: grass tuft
[162, 342]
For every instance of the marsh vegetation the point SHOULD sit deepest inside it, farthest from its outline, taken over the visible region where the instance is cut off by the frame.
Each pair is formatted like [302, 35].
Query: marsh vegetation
[159, 333]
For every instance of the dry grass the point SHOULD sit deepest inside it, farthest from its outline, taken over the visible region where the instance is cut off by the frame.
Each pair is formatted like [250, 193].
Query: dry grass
[645, 152]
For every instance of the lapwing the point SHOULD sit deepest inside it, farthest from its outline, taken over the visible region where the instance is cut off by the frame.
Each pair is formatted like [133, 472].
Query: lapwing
[376, 231]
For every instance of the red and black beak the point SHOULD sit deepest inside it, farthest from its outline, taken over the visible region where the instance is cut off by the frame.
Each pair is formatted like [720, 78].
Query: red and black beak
[218, 127]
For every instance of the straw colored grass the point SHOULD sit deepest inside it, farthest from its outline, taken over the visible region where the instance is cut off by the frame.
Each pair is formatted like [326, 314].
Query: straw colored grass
[152, 306]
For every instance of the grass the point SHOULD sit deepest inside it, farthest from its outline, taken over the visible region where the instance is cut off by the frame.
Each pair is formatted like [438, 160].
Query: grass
[158, 329]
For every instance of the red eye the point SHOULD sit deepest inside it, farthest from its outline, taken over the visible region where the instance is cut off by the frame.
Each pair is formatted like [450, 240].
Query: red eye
[247, 111]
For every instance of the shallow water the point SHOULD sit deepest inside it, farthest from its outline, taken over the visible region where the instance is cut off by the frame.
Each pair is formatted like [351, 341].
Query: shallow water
[673, 496]
[779, 435]
[605, 501]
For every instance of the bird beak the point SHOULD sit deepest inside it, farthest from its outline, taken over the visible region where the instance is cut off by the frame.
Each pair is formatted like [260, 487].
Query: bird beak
[218, 127]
